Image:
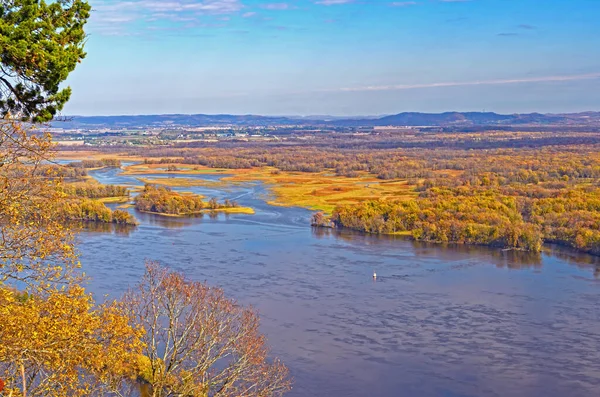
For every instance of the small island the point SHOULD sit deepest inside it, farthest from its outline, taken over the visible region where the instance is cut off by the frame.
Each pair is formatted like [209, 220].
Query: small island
[164, 201]
[85, 201]
[87, 210]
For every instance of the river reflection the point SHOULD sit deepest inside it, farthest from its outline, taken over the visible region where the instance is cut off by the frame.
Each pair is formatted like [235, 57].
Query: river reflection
[511, 259]
[100, 227]
[439, 321]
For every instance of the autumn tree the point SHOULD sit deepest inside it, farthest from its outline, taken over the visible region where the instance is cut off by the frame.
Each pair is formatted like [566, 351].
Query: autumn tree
[35, 247]
[200, 343]
[40, 44]
[61, 344]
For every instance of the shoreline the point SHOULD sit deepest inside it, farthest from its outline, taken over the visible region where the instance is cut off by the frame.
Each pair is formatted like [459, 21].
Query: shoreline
[233, 210]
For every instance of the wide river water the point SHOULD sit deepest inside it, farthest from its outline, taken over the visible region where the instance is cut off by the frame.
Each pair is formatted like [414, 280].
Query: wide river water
[439, 321]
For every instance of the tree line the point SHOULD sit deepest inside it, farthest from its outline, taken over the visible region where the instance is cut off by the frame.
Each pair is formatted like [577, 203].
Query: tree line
[116, 163]
[525, 165]
[94, 190]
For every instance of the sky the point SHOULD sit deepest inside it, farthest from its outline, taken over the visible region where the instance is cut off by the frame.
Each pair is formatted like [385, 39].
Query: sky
[338, 57]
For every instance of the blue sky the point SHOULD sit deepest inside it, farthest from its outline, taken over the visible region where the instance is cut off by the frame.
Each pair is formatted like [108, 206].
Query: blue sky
[340, 57]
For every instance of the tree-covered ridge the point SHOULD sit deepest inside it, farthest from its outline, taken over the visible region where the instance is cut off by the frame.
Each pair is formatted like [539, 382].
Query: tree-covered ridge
[163, 200]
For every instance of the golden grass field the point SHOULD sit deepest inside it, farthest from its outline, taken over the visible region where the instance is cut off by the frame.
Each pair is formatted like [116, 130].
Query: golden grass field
[323, 191]
[94, 155]
[117, 200]
[316, 191]
[183, 169]
[183, 182]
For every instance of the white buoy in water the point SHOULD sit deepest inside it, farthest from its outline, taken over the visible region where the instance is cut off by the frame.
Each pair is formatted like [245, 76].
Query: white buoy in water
[374, 276]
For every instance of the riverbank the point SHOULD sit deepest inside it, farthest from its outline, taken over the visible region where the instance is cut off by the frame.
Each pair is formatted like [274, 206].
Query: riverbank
[235, 210]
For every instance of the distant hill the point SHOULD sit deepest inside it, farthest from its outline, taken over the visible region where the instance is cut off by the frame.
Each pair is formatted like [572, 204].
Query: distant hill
[190, 120]
[448, 119]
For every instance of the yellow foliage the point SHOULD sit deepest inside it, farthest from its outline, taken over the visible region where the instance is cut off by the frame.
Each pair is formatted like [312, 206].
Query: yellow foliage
[35, 247]
[62, 345]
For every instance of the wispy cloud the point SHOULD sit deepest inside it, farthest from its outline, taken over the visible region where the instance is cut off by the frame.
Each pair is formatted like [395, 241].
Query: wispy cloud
[399, 87]
[333, 2]
[118, 17]
[275, 6]
[515, 34]
[205, 6]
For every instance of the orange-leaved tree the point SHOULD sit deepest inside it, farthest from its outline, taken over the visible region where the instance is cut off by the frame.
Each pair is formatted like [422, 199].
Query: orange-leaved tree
[198, 342]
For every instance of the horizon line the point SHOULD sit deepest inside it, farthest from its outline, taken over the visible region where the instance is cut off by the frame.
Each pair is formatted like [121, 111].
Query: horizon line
[319, 115]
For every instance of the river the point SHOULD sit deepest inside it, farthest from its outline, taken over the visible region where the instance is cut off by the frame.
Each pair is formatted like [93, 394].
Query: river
[439, 321]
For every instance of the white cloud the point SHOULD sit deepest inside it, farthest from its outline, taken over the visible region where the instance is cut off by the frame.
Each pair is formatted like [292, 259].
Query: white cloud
[275, 6]
[206, 6]
[399, 87]
[119, 16]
